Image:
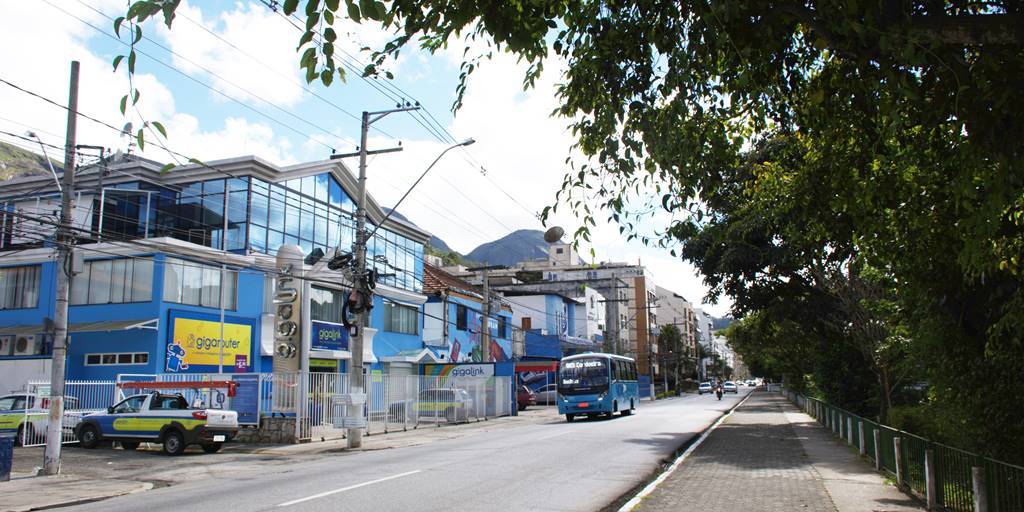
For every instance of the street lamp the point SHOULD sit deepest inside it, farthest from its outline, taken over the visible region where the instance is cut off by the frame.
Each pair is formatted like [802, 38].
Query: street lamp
[466, 142]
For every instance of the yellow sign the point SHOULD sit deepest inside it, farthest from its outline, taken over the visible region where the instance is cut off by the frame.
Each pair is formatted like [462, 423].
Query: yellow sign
[323, 363]
[200, 342]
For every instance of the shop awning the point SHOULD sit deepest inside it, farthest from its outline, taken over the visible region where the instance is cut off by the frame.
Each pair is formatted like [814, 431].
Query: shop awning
[536, 366]
[412, 356]
[105, 326]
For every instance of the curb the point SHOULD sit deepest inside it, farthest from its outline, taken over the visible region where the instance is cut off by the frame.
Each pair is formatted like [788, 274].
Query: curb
[649, 488]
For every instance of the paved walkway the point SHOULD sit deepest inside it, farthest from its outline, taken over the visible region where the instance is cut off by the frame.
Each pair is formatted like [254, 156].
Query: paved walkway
[768, 456]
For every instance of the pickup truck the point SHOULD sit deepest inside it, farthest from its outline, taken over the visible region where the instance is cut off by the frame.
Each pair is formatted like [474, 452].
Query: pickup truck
[158, 417]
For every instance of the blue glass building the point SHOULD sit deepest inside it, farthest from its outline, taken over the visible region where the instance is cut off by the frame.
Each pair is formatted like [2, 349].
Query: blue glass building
[150, 281]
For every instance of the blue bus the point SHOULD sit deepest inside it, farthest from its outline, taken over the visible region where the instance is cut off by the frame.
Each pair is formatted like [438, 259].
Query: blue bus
[596, 384]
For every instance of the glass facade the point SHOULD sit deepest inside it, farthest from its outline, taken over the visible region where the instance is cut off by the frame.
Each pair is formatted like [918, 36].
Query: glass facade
[311, 212]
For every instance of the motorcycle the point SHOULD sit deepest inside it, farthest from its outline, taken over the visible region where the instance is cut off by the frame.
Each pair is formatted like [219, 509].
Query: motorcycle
[718, 392]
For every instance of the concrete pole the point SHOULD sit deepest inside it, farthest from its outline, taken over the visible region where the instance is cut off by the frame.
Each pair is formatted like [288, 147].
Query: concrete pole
[877, 434]
[898, 448]
[849, 430]
[980, 494]
[54, 426]
[485, 333]
[355, 435]
[860, 436]
[929, 479]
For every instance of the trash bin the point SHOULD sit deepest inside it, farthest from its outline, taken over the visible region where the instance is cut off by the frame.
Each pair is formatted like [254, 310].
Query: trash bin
[6, 454]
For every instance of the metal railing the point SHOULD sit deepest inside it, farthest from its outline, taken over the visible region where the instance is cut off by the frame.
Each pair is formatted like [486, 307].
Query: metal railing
[81, 397]
[948, 478]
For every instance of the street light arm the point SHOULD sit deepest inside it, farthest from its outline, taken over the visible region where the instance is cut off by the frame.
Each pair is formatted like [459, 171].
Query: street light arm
[417, 182]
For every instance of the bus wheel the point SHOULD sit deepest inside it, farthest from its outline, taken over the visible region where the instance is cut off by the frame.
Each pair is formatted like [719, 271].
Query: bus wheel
[570, 417]
[629, 410]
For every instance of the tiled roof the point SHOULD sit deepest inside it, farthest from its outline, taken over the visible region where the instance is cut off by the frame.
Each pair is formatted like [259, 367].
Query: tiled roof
[436, 280]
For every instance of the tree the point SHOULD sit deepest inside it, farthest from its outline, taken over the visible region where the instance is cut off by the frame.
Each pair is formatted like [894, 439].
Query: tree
[790, 142]
[670, 345]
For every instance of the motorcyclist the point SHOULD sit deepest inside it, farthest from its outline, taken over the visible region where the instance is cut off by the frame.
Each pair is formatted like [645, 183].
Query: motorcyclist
[719, 390]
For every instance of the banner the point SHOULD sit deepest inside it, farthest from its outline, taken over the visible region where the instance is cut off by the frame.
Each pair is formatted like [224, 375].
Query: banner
[329, 336]
[196, 342]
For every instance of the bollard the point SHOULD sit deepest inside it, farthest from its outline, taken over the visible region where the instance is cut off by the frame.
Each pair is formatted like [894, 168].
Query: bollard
[980, 495]
[898, 448]
[849, 430]
[6, 455]
[860, 437]
[877, 435]
[929, 479]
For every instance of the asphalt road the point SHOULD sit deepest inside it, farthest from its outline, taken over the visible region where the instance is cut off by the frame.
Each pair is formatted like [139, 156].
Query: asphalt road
[585, 465]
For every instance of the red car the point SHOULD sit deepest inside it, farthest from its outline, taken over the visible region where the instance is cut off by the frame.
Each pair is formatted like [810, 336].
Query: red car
[525, 397]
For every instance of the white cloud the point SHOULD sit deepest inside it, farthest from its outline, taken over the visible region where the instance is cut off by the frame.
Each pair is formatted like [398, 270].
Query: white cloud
[258, 62]
[56, 40]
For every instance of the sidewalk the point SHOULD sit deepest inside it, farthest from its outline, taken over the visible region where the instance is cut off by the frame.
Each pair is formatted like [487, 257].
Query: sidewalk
[769, 456]
[27, 492]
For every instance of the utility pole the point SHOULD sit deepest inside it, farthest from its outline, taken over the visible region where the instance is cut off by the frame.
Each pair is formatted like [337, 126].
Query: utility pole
[485, 332]
[65, 240]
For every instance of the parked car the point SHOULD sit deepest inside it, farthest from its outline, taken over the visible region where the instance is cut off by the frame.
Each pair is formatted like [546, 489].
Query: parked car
[704, 387]
[547, 394]
[730, 387]
[16, 408]
[158, 417]
[525, 397]
[452, 404]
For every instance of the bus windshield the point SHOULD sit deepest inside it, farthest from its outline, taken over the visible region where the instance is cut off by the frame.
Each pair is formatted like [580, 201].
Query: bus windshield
[588, 375]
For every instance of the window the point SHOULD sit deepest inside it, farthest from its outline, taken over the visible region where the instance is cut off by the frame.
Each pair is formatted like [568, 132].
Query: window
[130, 405]
[119, 358]
[400, 318]
[113, 282]
[168, 402]
[187, 282]
[325, 304]
[502, 326]
[461, 317]
[19, 287]
[558, 250]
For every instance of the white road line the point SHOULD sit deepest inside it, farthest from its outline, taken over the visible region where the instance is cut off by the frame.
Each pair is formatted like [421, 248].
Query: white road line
[555, 435]
[349, 488]
[631, 504]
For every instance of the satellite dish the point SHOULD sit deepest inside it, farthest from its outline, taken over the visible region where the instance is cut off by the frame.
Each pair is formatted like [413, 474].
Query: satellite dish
[554, 234]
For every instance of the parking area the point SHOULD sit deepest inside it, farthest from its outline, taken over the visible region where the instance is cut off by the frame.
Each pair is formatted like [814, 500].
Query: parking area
[149, 464]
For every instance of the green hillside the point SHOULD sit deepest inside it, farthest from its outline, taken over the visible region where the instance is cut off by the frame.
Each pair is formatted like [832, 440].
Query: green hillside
[15, 162]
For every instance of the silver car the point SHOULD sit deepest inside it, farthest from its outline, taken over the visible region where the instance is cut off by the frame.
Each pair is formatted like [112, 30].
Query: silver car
[547, 394]
[704, 387]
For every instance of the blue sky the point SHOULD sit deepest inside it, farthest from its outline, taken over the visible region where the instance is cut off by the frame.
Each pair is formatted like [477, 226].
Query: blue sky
[240, 92]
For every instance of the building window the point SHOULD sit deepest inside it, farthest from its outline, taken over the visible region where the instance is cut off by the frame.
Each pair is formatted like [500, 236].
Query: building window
[117, 358]
[114, 281]
[187, 282]
[19, 287]
[400, 318]
[461, 317]
[325, 304]
[558, 250]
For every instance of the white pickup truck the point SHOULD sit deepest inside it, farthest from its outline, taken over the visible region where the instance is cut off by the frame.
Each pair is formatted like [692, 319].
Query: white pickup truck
[158, 417]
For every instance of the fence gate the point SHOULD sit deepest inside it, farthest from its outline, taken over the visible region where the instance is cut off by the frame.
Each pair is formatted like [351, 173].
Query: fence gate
[81, 397]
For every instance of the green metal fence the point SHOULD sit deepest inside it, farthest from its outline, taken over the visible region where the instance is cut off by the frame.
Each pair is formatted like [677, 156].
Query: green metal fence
[952, 467]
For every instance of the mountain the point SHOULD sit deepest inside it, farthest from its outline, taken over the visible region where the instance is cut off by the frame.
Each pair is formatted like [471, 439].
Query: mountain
[15, 162]
[434, 242]
[721, 322]
[518, 246]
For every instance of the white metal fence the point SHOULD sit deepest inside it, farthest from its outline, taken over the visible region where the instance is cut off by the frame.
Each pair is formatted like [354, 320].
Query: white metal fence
[316, 400]
[402, 402]
[81, 397]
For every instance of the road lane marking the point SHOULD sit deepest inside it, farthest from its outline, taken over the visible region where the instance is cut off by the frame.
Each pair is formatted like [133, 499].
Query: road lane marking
[631, 504]
[555, 435]
[349, 488]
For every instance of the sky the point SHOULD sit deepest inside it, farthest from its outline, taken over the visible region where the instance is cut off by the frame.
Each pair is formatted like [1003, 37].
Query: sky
[225, 82]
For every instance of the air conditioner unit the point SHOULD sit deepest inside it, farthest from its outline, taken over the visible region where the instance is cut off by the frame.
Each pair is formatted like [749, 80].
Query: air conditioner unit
[6, 345]
[27, 344]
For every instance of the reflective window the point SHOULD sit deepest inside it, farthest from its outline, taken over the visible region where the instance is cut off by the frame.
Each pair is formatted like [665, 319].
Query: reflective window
[188, 282]
[19, 287]
[113, 282]
[401, 318]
